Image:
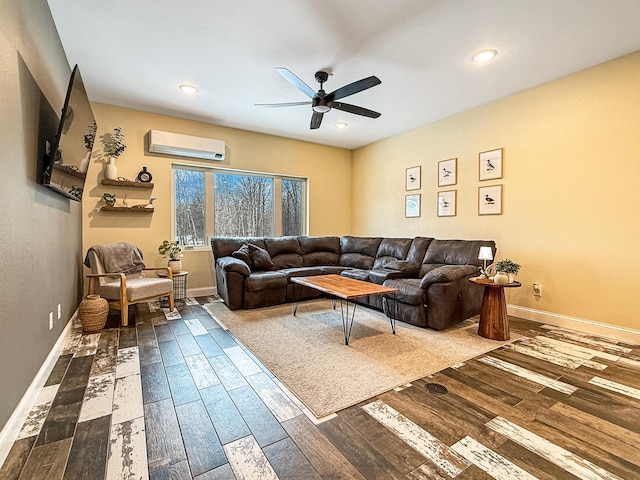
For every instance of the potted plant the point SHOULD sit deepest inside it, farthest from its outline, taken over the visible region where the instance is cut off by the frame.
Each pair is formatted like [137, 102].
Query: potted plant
[113, 146]
[89, 138]
[509, 267]
[171, 249]
[109, 199]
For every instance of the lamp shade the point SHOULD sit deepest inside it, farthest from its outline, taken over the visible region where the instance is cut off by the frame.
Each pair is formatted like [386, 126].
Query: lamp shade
[485, 253]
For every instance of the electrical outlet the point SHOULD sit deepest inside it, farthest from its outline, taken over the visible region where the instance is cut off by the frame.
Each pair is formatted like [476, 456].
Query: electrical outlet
[50, 320]
[59, 311]
[537, 289]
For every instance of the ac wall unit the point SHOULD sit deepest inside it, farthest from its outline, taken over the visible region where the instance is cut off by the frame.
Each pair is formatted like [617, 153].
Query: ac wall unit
[185, 145]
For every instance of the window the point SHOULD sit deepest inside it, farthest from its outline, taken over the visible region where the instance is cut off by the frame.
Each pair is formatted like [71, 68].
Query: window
[227, 203]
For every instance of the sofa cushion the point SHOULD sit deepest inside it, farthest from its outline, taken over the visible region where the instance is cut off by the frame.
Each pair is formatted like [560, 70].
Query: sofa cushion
[448, 273]
[225, 246]
[356, 274]
[332, 269]
[301, 272]
[258, 281]
[260, 258]
[243, 254]
[418, 249]
[391, 249]
[315, 259]
[456, 252]
[409, 290]
[282, 245]
[319, 244]
[363, 245]
[402, 266]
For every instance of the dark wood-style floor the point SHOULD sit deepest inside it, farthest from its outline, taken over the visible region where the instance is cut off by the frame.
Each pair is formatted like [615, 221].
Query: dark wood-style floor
[178, 397]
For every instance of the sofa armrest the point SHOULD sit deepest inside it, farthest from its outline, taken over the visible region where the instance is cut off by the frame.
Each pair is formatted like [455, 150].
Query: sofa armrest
[231, 264]
[448, 273]
[403, 266]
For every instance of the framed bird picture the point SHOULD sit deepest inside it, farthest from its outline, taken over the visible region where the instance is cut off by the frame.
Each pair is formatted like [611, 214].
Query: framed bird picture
[412, 205]
[447, 172]
[490, 200]
[447, 203]
[412, 180]
[491, 164]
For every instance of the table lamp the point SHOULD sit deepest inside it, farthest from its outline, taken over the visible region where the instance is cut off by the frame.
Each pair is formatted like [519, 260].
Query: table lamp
[484, 255]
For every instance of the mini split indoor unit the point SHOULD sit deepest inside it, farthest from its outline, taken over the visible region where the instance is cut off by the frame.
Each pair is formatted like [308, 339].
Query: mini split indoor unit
[185, 145]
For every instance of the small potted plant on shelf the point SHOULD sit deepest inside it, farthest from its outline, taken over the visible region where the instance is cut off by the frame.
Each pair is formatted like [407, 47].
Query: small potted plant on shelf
[171, 249]
[109, 199]
[508, 267]
[113, 146]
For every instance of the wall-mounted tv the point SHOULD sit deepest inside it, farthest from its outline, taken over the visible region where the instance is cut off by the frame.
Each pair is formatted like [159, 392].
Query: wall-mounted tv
[66, 163]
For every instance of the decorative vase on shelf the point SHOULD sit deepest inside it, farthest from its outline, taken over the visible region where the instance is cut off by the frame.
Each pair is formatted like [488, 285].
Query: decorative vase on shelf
[512, 277]
[84, 163]
[111, 170]
[501, 278]
[175, 265]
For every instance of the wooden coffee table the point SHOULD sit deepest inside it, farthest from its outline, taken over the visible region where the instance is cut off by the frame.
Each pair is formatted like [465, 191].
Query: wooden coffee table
[494, 323]
[347, 291]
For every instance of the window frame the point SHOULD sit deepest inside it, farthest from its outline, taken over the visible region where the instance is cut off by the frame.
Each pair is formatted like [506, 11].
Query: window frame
[209, 198]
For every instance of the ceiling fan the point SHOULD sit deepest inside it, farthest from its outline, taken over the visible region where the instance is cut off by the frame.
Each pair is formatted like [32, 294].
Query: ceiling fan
[321, 102]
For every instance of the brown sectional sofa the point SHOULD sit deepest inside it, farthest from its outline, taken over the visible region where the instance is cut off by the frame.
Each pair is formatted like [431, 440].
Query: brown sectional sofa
[431, 275]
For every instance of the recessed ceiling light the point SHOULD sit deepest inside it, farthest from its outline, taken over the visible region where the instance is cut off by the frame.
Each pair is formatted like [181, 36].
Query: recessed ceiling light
[189, 89]
[484, 56]
[342, 125]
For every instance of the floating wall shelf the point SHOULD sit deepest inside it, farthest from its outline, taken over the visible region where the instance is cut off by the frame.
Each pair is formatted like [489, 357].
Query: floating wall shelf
[107, 208]
[122, 183]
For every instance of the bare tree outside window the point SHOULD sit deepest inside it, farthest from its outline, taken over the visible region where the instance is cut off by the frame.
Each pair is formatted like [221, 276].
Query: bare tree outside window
[243, 206]
[292, 214]
[190, 207]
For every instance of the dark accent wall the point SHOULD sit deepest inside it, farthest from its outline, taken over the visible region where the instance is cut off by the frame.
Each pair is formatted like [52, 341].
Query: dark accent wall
[40, 232]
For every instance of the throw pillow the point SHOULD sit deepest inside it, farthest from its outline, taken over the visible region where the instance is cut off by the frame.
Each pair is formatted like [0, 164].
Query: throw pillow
[243, 254]
[260, 258]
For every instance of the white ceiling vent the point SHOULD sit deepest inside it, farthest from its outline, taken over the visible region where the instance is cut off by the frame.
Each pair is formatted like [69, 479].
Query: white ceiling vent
[185, 145]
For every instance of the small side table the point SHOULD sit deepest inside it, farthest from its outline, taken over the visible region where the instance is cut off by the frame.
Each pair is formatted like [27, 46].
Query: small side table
[179, 288]
[494, 323]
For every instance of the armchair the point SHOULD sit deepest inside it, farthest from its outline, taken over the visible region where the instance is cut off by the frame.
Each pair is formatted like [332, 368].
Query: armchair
[119, 271]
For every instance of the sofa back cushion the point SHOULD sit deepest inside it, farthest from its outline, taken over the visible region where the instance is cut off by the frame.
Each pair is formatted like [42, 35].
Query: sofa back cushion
[358, 252]
[285, 252]
[320, 250]
[418, 249]
[390, 250]
[456, 252]
[225, 246]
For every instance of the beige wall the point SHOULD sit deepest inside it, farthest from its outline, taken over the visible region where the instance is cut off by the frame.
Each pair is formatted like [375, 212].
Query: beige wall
[328, 170]
[571, 196]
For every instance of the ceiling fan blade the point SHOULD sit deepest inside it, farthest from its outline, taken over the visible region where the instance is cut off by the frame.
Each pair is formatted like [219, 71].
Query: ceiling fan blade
[296, 82]
[316, 120]
[354, 87]
[289, 104]
[365, 112]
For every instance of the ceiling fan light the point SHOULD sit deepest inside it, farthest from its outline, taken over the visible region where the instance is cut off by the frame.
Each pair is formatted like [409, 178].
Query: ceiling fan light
[342, 125]
[484, 56]
[188, 89]
[321, 108]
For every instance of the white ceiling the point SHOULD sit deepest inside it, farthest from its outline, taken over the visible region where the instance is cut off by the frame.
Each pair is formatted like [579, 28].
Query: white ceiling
[135, 54]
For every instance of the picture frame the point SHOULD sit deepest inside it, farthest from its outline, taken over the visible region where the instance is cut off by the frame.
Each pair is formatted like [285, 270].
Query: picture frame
[412, 205]
[412, 178]
[447, 172]
[490, 200]
[490, 164]
[447, 203]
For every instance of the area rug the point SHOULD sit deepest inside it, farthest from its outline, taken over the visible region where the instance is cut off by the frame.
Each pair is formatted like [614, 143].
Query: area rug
[307, 352]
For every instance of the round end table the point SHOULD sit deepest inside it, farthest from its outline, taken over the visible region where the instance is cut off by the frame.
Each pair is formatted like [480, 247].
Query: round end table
[494, 323]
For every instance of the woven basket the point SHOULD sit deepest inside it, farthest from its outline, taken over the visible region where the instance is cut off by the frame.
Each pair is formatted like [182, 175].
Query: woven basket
[93, 312]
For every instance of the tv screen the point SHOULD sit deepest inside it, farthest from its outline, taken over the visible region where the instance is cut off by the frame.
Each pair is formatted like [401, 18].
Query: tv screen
[66, 164]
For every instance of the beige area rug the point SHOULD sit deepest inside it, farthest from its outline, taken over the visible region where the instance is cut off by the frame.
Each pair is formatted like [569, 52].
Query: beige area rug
[307, 352]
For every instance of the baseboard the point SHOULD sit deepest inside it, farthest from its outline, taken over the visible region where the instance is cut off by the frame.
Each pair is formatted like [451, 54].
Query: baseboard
[201, 292]
[13, 426]
[589, 326]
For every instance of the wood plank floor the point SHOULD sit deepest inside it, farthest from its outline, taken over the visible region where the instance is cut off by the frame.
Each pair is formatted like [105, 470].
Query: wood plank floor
[175, 396]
